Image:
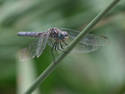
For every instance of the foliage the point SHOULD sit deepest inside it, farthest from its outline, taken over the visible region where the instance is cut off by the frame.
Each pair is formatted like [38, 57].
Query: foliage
[98, 72]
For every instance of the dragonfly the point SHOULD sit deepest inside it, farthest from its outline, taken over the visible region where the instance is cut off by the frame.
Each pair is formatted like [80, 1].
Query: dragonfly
[57, 38]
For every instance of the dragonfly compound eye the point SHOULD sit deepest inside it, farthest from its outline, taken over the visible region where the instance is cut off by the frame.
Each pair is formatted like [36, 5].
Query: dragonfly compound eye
[65, 35]
[61, 36]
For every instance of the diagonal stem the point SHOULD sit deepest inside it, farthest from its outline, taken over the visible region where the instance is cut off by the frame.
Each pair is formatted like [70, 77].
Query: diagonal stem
[86, 30]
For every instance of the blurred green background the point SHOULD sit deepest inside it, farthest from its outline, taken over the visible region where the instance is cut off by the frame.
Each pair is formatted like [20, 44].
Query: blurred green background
[99, 72]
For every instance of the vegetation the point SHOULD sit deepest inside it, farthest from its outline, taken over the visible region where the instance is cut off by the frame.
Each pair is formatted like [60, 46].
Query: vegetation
[99, 72]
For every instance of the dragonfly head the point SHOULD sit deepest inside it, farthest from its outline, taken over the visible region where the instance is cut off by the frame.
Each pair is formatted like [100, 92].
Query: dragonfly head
[63, 35]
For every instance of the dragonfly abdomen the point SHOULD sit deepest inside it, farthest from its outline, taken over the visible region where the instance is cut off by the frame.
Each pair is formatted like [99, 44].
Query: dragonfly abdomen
[30, 34]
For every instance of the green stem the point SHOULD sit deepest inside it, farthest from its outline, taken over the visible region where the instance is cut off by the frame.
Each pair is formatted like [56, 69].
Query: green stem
[86, 30]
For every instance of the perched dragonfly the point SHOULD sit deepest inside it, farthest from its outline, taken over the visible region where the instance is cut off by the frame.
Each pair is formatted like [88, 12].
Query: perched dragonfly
[58, 38]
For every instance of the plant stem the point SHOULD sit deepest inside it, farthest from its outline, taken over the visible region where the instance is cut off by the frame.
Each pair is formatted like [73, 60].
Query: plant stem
[86, 30]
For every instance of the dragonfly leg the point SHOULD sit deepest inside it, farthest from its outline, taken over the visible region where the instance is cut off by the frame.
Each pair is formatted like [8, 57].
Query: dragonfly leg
[61, 45]
[64, 42]
[53, 52]
[58, 46]
[55, 47]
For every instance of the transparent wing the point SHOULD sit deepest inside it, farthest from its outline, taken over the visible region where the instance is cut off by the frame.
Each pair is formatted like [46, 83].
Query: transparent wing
[41, 44]
[37, 47]
[33, 46]
[89, 43]
[94, 39]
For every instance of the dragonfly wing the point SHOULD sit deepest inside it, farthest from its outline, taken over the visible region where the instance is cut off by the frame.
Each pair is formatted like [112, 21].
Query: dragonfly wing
[93, 39]
[33, 46]
[85, 48]
[38, 45]
[41, 44]
[91, 42]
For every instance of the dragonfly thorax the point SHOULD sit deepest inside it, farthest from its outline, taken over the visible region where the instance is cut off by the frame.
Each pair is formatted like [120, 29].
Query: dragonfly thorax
[58, 34]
